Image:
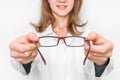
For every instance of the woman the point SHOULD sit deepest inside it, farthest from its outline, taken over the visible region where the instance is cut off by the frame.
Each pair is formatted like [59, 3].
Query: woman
[65, 59]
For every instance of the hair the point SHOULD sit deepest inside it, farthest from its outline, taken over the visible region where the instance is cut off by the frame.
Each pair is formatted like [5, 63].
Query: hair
[47, 17]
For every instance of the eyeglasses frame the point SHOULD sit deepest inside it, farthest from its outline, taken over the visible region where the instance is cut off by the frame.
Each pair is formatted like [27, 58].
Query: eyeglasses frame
[63, 38]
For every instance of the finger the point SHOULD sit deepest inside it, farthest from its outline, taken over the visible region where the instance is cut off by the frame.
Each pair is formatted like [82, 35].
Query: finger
[95, 38]
[24, 43]
[28, 38]
[23, 60]
[104, 48]
[106, 55]
[15, 54]
[99, 53]
[21, 48]
[98, 60]
[20, 59]
[27, 61]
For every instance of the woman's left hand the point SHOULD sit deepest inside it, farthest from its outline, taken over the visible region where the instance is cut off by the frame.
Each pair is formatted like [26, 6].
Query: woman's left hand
[101, 49]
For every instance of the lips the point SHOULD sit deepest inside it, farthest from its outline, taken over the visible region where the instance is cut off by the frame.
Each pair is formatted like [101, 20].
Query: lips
[62, 7]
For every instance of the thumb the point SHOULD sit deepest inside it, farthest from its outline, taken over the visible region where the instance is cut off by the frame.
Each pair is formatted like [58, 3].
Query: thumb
[31, 37]
[28, 38]
[95, 38]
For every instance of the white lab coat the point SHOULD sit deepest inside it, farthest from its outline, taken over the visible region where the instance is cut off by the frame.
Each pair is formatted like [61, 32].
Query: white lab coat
[62, 62]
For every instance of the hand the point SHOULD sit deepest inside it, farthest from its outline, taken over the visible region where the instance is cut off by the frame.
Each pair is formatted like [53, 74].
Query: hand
[23, 49]
[101, 49]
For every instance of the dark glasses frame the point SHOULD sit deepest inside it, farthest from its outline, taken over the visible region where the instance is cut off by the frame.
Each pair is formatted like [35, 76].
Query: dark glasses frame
[63, 38]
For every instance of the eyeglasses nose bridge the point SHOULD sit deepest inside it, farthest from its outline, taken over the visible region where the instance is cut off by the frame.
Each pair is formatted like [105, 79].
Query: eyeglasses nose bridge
[61, 39]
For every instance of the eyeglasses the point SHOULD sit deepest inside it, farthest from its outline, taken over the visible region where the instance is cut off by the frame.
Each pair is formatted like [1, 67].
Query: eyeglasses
[70, 41]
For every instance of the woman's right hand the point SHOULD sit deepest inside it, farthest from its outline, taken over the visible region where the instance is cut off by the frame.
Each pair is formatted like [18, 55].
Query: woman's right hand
[23, 49]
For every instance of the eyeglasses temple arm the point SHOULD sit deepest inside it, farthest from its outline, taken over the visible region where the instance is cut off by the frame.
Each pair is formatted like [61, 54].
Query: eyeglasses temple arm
[87, 52]
[43, 59]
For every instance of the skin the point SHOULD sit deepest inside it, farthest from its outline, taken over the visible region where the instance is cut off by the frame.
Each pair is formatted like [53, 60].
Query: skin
[24, 51]
[101, 49]
[60, 10]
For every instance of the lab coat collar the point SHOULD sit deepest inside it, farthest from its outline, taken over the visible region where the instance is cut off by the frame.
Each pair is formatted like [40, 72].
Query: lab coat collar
[48, 31]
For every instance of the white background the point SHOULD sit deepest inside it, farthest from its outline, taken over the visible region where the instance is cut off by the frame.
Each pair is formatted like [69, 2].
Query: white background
[15, 16]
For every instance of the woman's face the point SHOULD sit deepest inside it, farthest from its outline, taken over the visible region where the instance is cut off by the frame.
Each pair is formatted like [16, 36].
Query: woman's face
[61, 8]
